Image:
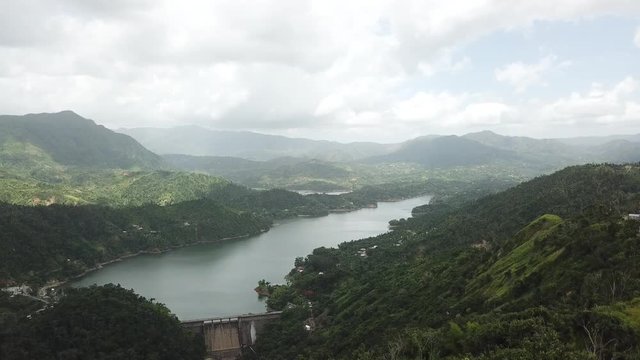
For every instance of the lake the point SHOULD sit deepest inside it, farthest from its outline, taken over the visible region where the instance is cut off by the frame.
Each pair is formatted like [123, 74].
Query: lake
[217, 279]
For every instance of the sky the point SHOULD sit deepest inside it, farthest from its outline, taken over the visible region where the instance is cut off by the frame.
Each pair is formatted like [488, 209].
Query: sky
[360, 70]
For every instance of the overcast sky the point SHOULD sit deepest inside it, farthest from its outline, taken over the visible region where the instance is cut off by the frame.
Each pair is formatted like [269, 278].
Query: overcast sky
[340, 70]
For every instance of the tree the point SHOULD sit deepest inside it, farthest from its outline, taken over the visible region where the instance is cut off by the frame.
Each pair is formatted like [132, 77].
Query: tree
[104, 322]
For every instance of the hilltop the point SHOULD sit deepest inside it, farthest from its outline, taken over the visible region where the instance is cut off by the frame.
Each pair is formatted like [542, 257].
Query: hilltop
[67, 139]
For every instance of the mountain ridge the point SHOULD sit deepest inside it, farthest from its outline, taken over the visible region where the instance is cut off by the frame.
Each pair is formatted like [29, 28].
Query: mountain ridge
[71, 140]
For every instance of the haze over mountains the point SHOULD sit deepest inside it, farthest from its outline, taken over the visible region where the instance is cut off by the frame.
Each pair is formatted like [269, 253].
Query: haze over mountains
[48, 141]
[431, 151]
[71, 140]
[193, 140]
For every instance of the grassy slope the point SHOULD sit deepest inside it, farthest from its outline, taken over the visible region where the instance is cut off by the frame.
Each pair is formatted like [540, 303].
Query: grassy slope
[520, 262]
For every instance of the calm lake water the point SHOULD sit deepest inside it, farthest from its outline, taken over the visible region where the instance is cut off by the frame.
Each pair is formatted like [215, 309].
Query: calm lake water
[218, 279]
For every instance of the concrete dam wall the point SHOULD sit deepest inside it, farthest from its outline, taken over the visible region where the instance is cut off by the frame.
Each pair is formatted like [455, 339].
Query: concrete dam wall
[226, 336]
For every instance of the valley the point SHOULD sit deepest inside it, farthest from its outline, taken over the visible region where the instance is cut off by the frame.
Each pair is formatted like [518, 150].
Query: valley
[503, 239]
[320, 180]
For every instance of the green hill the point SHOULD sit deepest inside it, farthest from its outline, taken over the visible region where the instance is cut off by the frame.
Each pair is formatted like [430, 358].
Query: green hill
[106, 322]
[65, 138]
[546, 270]
[117, 188]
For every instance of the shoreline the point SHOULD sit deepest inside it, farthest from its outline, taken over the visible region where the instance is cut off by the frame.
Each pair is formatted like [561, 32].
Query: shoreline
[65, 282]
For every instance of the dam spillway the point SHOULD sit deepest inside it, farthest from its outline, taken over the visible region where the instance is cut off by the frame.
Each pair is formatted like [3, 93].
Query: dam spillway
[225, 337]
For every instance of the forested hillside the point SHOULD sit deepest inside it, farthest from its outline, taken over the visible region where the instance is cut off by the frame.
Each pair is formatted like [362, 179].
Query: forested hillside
[546, 270]
[106, 322]
[41, 243]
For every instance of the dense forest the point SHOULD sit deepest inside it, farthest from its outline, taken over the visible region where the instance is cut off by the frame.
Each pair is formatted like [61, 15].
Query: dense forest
[54, 242]
[106, 322]
[546, 270]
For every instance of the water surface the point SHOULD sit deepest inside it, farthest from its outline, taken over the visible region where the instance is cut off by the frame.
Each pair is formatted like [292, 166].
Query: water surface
[217, 279]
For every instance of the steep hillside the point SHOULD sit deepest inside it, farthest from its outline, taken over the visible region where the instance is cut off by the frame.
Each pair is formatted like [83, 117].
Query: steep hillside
[192, 140]
[65, 138]
[546, 270]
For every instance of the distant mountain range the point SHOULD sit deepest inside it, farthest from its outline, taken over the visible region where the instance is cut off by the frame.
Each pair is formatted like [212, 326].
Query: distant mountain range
[486, 147]
[432, 151]
[193, 140]
[47, 141]
[446, 152]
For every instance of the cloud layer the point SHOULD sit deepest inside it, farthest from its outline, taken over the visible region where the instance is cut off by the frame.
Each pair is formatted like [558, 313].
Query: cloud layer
[358, 70]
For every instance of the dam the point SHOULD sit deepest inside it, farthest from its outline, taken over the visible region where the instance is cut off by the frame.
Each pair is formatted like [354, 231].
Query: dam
[226, 337]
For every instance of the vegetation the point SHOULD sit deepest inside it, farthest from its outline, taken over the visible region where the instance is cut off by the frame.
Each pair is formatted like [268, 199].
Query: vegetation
[321, 176]
[106, 322]
[55, 242]
[548, 269]
[67, 139]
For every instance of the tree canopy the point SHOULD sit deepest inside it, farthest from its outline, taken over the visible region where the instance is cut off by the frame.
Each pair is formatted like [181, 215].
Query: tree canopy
[103, 322]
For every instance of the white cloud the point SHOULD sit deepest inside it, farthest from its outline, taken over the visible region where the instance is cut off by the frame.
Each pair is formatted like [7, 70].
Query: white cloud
[521, 75]
[427, 107]
[596, 111]
[636, 39]
[597, 106]
[444, 63]
[451, 113]
[484, 114]
[308, 66]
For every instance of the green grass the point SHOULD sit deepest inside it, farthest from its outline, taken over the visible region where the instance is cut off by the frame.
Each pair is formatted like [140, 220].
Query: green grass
[627, 312]
[522, 261]
[109, 187]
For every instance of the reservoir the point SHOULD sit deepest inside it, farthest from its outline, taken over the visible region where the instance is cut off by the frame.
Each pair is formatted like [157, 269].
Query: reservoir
[217, 279]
